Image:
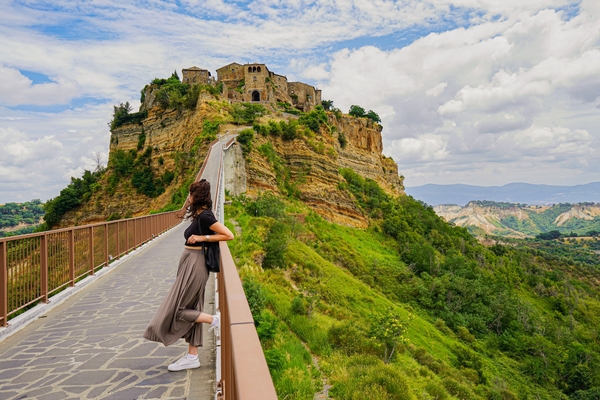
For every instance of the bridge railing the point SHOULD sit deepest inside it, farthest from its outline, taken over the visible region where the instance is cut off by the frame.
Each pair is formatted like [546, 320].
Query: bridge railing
[244, 374]
[36, 266]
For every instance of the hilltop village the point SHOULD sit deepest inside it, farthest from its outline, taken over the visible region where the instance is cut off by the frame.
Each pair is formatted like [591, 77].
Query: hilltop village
[256, 83]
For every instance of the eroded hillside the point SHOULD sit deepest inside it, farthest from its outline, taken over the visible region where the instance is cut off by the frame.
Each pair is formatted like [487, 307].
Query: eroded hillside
[519, 220]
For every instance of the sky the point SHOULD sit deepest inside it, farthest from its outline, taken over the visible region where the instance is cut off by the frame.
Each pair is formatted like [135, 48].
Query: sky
[479, 92]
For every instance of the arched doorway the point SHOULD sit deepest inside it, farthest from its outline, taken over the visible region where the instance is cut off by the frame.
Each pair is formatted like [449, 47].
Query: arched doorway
[255, 96]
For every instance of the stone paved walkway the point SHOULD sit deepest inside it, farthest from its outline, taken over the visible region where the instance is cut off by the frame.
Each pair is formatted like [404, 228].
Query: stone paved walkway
[91, 346]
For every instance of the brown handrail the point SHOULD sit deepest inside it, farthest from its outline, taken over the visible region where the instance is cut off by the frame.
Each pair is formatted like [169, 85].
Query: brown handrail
[244, 371]
[35, 266]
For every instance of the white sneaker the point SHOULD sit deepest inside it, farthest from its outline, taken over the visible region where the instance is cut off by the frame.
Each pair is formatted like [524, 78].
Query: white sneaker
[216, 329]
[184, 363]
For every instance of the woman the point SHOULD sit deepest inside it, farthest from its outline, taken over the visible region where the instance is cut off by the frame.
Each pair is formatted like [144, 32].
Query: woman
[180, 314]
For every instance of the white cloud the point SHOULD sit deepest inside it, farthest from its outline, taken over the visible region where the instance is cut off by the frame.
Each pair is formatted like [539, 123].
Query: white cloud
[16, 89]
[437, 89]
[507, 99]
[444, 99]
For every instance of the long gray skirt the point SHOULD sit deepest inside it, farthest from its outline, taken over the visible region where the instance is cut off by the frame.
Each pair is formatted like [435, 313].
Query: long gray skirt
[176, 316]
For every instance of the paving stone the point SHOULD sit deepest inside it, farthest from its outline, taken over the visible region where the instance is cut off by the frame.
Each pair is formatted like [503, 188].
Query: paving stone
[30, 376]
[4, 365]
[126, 394]
[44, 361]
[141, 350]
[97, 361]
[58, 396]
[13, 387]
[137, 363]
[89, 378]
[11, 373]
[126, 382]
[97, 391]
[8, 394]
[37, 392]
[75, 389]
[120, 376]
[163, 379]
[49, 380]
[178, 392]
[157, 393]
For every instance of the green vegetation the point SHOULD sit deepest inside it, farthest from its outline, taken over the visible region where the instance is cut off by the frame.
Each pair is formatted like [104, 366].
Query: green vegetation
[246, 113]
[359, 112]
[288, 108]
[78, 191]
[122, 115]
[138, 167]
[13, 214]
[245, 138]
[412, 307]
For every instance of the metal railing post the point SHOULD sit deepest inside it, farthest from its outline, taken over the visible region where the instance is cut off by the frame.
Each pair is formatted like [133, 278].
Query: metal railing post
[91, 244]
[44, 267]
[127, 236]
[71, 257]
[106, 256]
[118, 242]
[3, 285]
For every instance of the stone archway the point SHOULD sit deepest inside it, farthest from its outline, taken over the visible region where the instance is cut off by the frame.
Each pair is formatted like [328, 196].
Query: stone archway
[256, 95]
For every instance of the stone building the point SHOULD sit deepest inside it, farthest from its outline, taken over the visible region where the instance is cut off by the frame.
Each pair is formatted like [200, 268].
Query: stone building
[255, 83]
[194, 75]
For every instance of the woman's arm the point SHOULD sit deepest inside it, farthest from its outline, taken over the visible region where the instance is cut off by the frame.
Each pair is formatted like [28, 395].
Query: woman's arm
[223, 233]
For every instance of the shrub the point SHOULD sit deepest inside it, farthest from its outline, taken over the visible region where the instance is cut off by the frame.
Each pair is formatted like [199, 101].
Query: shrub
[342, 140]
[122, 115]
[255, 296]
[314, 119]
[245, 138]
[141, 140]
[275, 360]
[246, 113]
[267, 326]
[266, 205]
[275, 246]
[347, 338]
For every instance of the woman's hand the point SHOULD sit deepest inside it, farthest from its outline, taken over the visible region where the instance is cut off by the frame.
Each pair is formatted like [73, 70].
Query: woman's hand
[194, 239]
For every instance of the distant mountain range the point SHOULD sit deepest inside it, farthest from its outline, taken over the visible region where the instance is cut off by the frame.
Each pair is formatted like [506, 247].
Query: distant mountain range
[512, 193]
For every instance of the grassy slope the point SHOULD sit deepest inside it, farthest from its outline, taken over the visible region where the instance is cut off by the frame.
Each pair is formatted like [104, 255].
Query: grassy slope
[343, 271]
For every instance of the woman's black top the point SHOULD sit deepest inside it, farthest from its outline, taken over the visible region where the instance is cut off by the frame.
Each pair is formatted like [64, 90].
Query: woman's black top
[200, 226]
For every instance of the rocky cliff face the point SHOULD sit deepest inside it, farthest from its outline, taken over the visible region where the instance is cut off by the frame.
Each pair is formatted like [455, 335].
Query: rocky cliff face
[313, 165]
[173, 138]
[309, 164]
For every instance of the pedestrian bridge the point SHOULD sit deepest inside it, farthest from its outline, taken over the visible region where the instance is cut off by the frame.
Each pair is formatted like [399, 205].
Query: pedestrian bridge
[89, 293]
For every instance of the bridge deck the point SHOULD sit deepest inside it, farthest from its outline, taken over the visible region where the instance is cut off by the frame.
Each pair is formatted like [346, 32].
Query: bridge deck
[91, 346]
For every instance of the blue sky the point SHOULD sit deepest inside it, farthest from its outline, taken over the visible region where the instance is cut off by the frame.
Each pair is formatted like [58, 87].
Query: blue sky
[478, 92]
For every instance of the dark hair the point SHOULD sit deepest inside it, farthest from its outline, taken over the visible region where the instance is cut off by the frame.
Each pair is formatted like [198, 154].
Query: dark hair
[198, 200]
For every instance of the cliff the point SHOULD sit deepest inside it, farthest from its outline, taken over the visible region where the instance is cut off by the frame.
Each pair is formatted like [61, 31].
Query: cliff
[314, 164]
[172, 143]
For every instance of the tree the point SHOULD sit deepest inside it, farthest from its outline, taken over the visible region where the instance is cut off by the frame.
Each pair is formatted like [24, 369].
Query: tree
[372, 115]
[357, 111]
[327, 104]
[387, 332]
